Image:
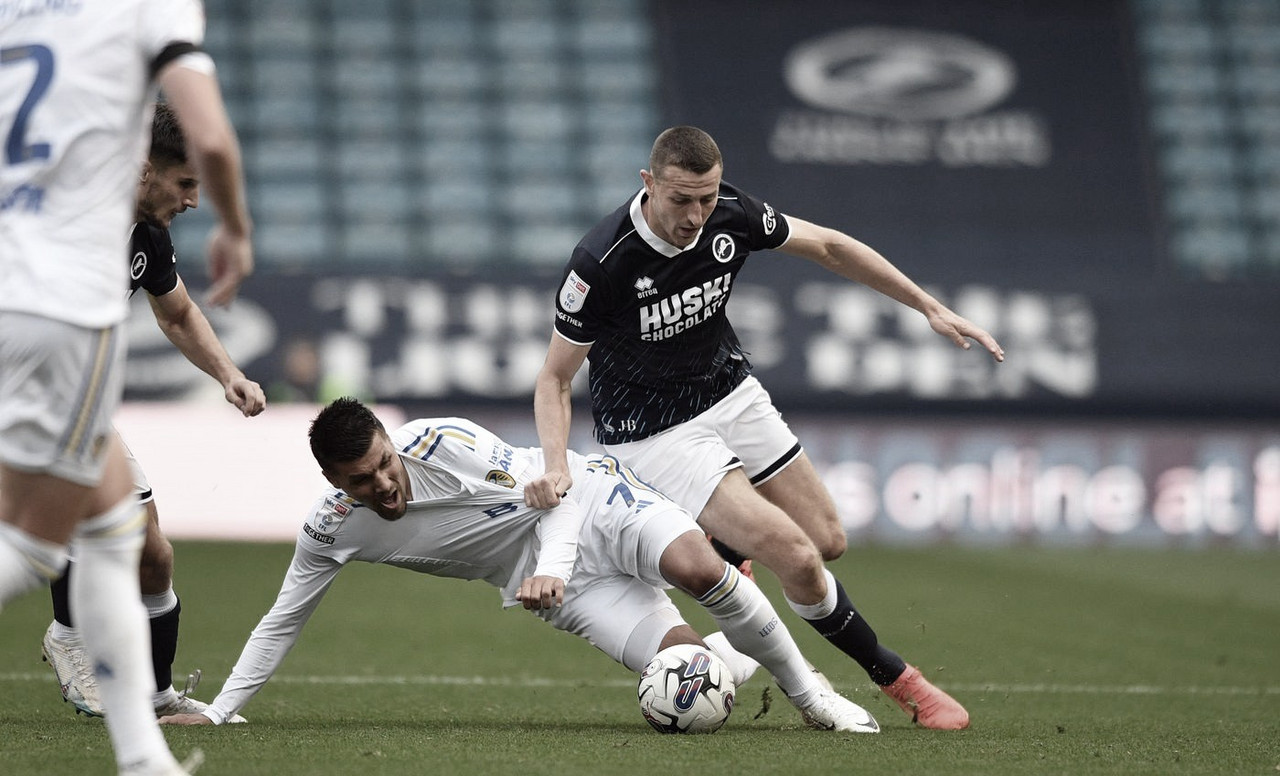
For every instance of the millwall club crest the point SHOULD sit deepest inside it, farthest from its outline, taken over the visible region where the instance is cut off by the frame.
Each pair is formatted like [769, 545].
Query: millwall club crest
[573, 293]
[723, 248]
[138, 265]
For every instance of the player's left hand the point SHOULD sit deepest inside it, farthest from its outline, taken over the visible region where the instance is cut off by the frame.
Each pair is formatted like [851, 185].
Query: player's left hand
[541, 593]
[230, 262]
[247, 396]
[960, 330]
[185, 719]
[546, 490]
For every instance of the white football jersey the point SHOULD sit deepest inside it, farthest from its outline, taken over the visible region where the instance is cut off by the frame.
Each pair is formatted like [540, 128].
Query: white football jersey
[466, 519]
[77, 80]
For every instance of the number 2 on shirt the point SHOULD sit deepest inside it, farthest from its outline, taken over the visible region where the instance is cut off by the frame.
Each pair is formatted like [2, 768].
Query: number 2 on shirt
[16, 149]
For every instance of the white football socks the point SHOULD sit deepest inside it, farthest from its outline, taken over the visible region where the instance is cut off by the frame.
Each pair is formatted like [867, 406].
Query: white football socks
[159, 604]
[741, 667]
[113, 625]
[822, 608]
[752, 626]
[26, 562]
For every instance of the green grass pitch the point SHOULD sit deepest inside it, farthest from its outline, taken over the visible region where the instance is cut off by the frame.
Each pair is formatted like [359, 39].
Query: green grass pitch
[1073, 661]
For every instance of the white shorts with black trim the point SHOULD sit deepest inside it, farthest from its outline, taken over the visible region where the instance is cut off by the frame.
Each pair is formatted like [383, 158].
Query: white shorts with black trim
[687, 462]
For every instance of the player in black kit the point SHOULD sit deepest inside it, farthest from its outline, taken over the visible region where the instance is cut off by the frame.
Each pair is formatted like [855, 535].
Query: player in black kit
[672, 394]
[168, 186]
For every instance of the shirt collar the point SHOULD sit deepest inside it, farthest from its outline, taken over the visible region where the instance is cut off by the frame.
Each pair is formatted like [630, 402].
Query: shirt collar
[657, 243]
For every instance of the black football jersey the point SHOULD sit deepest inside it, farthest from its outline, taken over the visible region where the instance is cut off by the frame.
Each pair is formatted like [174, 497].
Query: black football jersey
[662, 348]
[152, 262]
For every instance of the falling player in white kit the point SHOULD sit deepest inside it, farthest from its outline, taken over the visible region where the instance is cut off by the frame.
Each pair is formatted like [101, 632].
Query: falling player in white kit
[446, 497]
[76, 84]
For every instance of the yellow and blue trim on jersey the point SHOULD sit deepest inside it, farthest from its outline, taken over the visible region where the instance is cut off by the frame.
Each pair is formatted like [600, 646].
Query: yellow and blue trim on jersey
[425, 445]
[609, 465]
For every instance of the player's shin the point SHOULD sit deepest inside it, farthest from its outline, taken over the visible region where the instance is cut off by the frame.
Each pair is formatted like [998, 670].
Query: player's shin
[164, 610]
[840, 623]
[750, 623]
[113, 623]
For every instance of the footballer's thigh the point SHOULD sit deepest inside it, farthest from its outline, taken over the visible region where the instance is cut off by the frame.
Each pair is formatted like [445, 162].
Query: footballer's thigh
[743, 519]
[623, 617]
[799, 492]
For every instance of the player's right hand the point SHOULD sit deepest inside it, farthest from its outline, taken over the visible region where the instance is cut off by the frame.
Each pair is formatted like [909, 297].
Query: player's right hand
[545, 491]
[246, 395]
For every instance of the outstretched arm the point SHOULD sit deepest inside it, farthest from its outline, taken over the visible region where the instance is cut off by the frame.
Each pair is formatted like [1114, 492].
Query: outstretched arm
[181, 320]
[857, 261]
[306, 582]
[552, 413]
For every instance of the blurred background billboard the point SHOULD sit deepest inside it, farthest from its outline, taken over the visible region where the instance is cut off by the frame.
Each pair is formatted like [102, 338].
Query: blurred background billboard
[1097, 183]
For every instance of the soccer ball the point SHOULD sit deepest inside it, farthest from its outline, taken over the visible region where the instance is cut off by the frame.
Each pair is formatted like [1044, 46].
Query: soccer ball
[686, 689]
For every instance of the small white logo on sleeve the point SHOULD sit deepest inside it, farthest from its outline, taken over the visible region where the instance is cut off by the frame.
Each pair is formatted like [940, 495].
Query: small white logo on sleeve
[138, 265]
[770, 219]
[573, 293]
[723, 248]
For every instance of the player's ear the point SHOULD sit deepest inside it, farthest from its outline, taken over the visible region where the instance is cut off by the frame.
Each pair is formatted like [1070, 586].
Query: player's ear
[647, 177]
[146, 171]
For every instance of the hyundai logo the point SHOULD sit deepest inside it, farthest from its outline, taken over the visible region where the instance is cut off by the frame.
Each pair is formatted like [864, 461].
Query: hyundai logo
[901, 74]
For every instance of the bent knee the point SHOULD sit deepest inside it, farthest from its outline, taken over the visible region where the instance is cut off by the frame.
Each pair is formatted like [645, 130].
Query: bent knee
[790, 550]
[832, 544]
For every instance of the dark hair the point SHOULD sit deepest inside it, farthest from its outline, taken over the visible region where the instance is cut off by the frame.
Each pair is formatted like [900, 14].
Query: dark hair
[687, 148]
[168, 146]
[343, 432]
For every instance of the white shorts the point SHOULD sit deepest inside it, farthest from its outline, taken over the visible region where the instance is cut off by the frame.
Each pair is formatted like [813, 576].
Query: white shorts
[59, 386]
[687, 462]
[141, 486]
[616, 598]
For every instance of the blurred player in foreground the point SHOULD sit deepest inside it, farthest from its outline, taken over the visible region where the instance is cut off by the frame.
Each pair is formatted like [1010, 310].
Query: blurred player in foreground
[168, 186]
[77, 83]
[645, 295]
[446, 497]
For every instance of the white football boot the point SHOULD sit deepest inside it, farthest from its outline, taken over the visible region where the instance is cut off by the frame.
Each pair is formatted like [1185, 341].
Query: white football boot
[172, 768]
[832, 711]
[70, 664]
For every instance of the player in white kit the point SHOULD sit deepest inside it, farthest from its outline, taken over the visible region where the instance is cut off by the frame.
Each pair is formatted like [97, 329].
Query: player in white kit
[167, 187]
[77, 81]
[446, 497]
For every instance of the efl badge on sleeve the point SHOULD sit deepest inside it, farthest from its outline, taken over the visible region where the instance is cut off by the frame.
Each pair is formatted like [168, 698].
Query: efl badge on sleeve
[573, 293]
